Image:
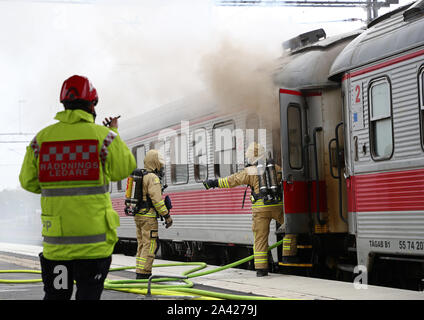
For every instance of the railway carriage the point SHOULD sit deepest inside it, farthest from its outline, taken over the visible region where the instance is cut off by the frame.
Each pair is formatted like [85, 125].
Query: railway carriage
[198, 141]
[312, 149]
[381, 75]
[350, 140]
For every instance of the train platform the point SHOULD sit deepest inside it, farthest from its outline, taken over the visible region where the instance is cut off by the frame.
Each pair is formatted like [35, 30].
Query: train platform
[233, 281]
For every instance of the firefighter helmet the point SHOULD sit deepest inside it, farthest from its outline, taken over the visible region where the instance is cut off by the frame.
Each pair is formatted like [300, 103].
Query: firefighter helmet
[255, 152]
[78, 88]
[154, 160]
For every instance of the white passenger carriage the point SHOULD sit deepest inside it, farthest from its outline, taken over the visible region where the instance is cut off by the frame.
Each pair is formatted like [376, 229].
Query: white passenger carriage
[351, 144]
[198, 142]
[382, 78]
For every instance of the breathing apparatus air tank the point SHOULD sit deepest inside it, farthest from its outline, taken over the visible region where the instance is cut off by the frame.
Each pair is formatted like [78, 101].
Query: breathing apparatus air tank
[273, 185]
[134, 192]
[269, 188]
[263, 182]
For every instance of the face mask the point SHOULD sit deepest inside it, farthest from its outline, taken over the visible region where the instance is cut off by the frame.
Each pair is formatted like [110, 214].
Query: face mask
[160, 172]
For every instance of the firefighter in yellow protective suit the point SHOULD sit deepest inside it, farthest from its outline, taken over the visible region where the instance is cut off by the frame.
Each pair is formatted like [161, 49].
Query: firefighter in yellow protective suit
[262, 214]
[146, 219]
[71, 163]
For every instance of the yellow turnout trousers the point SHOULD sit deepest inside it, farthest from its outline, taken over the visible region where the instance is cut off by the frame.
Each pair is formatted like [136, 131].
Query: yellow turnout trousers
[261, 219]
[147, 236]
[262, 214]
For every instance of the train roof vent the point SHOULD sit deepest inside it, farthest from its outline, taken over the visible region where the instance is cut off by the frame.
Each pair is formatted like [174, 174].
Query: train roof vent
[304, 39]
[417, 9]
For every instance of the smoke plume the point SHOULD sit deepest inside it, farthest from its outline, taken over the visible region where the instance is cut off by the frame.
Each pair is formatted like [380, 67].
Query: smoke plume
[239, 78]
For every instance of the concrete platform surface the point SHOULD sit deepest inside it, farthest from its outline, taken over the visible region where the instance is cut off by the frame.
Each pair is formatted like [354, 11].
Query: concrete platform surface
[240, 281]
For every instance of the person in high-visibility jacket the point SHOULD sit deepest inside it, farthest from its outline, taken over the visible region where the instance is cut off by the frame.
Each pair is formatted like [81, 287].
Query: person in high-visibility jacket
[71, 164]
[262, 214]
[146, 219]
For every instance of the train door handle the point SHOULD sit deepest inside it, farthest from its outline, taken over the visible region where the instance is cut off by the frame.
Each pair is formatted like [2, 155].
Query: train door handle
[290, 184]
[289, 179]
[355, 141]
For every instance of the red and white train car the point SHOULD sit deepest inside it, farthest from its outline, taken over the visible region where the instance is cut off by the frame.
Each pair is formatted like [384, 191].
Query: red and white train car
[351, 144]
[382, 78]
[198, 142]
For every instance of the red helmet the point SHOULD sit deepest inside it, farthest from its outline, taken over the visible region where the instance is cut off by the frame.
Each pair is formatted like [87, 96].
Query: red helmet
[78, 88]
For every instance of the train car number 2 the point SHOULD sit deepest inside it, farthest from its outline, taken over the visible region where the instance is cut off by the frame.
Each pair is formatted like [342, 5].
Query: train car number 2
[357, 94]
[357, 108]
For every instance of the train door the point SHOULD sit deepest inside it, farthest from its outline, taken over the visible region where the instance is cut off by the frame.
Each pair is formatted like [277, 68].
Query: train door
[293, 119]
[353, 118]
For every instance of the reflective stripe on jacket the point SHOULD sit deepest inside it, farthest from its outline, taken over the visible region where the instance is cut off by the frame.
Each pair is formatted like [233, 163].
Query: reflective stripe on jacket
[71, 164]
[260, 204]
[153, 188]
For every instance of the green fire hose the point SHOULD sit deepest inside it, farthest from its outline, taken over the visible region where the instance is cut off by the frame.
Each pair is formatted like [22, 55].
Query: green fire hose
[184, 289]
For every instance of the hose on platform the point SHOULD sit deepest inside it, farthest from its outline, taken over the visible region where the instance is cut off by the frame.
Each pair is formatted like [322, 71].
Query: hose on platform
[182, 290]
[20, 281]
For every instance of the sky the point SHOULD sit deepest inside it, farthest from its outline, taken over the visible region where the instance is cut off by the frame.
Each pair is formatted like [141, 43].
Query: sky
[138, 54]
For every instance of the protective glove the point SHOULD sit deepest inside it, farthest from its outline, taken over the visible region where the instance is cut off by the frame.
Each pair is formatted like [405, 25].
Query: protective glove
[168, 221]
[210, 183]
[168, 203]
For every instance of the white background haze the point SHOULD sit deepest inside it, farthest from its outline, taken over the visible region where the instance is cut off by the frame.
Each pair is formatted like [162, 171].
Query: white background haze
[138, 54]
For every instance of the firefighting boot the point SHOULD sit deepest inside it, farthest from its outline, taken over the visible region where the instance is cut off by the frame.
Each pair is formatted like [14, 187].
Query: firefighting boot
[261, 272]
[143, 276]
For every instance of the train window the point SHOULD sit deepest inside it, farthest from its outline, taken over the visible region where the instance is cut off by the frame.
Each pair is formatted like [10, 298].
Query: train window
[294, 128]
[160, 145]
[421, 101]
[381, 133]
[179, 163]
[224, 148]
[139, 153]
[200, 155]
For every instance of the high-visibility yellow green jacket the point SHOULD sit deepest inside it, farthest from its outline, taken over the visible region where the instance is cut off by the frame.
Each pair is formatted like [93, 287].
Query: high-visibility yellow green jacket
[71, 164]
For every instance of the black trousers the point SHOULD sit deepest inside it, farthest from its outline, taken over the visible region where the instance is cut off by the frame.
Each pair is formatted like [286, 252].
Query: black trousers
[89, 275]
